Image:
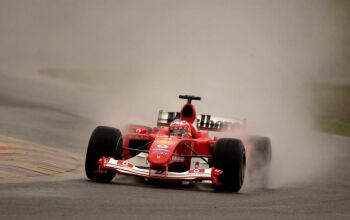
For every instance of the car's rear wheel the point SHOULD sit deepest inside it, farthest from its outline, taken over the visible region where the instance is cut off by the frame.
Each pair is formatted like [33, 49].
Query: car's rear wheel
[261, 150]
[104, 141]
[229, 156]
[260, 159]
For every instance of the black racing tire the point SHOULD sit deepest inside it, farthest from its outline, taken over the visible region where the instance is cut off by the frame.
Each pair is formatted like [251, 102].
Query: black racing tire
[104, 141]
[229, 156]
[259, 161]
[261, 150]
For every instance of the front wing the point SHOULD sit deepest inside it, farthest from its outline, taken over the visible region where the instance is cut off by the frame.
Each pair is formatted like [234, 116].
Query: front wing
[127, 168]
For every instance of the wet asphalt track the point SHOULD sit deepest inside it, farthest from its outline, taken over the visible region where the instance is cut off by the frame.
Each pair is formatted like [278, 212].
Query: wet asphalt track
[74, 197]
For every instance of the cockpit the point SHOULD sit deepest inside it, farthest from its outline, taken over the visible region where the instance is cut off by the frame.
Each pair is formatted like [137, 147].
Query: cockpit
[180, 128]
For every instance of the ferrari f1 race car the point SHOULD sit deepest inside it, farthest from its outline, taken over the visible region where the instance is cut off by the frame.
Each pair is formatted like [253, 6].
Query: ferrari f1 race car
[178, 149]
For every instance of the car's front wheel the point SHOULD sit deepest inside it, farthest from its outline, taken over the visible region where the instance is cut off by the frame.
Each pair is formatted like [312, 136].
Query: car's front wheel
[104, 141]
[229, 156]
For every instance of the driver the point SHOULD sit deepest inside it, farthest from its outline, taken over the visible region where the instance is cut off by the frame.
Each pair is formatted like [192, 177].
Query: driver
[180, 128]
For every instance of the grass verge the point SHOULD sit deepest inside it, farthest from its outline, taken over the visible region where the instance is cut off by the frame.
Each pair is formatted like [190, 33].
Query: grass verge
[333, 108]
[334, 126]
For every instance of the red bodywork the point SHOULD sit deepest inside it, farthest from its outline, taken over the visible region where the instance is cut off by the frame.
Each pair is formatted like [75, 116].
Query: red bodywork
[169, 157]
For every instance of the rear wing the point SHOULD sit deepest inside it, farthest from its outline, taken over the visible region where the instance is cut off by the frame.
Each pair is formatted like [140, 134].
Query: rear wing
[203, 122]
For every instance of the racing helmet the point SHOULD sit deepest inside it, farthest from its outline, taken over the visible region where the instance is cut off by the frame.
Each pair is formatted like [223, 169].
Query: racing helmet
[180, 128]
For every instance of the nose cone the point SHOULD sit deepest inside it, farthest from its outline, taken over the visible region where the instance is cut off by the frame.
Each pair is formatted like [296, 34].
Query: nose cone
[161, 151]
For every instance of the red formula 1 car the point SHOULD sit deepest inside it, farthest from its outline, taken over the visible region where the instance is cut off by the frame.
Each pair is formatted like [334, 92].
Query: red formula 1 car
[178, 149]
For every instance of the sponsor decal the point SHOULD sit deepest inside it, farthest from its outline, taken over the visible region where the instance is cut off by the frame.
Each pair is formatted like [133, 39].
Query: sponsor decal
[160, 149]
[163, 146]
[200, 170]
[203, 121]
[217, 172]
[177, 159]
[167, 142]
[138, 137]
[125, 164]
[164, 153]
[172, 116]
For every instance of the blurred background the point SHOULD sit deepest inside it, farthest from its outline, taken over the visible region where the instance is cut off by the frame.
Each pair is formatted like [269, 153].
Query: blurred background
[283, 65]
